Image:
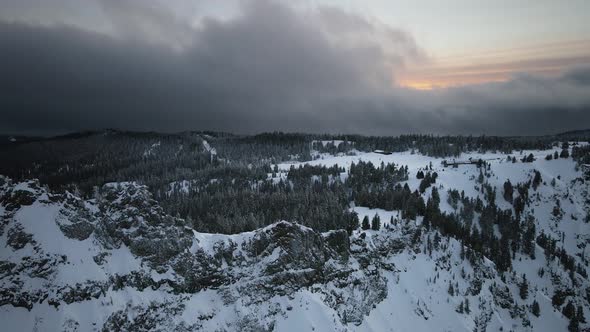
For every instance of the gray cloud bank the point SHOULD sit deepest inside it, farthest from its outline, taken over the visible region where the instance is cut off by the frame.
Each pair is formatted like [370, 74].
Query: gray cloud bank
[272, 67]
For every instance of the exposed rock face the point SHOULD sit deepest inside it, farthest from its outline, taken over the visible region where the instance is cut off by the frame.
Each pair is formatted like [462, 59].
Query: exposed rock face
[17, 238]
[249, 268]
[154, 317]
[298, 248]
[17, 198]
[76, 220]
[131, 217]
[75, 227]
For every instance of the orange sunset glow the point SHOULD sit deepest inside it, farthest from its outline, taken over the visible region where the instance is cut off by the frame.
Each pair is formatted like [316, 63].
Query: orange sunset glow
[547, 59]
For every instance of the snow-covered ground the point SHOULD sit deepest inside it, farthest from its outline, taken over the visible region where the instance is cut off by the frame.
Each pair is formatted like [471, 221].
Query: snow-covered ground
[415, 282]
[410, 290]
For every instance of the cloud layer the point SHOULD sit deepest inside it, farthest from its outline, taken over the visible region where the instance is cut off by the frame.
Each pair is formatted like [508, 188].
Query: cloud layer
[272, 67]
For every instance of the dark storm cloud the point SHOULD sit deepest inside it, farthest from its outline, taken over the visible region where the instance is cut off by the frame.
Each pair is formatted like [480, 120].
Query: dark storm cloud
[270, 68]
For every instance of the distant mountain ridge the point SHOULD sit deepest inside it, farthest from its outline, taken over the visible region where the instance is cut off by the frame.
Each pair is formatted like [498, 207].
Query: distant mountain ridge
[85, 133]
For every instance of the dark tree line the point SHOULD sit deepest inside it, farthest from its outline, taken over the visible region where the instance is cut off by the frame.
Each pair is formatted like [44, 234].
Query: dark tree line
[91, 159]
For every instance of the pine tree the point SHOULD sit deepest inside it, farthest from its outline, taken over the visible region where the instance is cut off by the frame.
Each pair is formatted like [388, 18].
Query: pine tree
[529, 159]
[504, 260]
[524, 288]
[365, 225]
[353, 223]
[537, 179]
[536, 309]
[434, 195]
[529, 236]
[569, 310]
[376, 223]
[574, 325]
[508, 191]
[564, 153]
[467, 309]
[451, 290]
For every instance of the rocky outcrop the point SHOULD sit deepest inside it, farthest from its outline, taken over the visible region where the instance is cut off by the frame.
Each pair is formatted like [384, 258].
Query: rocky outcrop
[249, 268]
[156, 316]
[131, 217]
[76, 221]
[17, 238]
[17, 198]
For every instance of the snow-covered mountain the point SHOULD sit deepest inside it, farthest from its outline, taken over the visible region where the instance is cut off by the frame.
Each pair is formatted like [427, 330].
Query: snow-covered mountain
[118, 262]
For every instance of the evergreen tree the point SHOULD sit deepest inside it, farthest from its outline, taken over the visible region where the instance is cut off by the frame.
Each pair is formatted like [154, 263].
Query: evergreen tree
[451, 290]
[536, 309]
[564, 153]
[529, 236]
[537, 179]
[524, 288]
[569, 310]
[504, 261]
[376, 222]
[574, 325]
[353, 223]
[365, 224]
[480, 178]
[435, 198]
[528, 159]
[508, 191]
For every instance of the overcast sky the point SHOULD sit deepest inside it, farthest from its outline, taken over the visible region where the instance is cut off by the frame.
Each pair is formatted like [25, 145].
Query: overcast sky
[369, 67]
